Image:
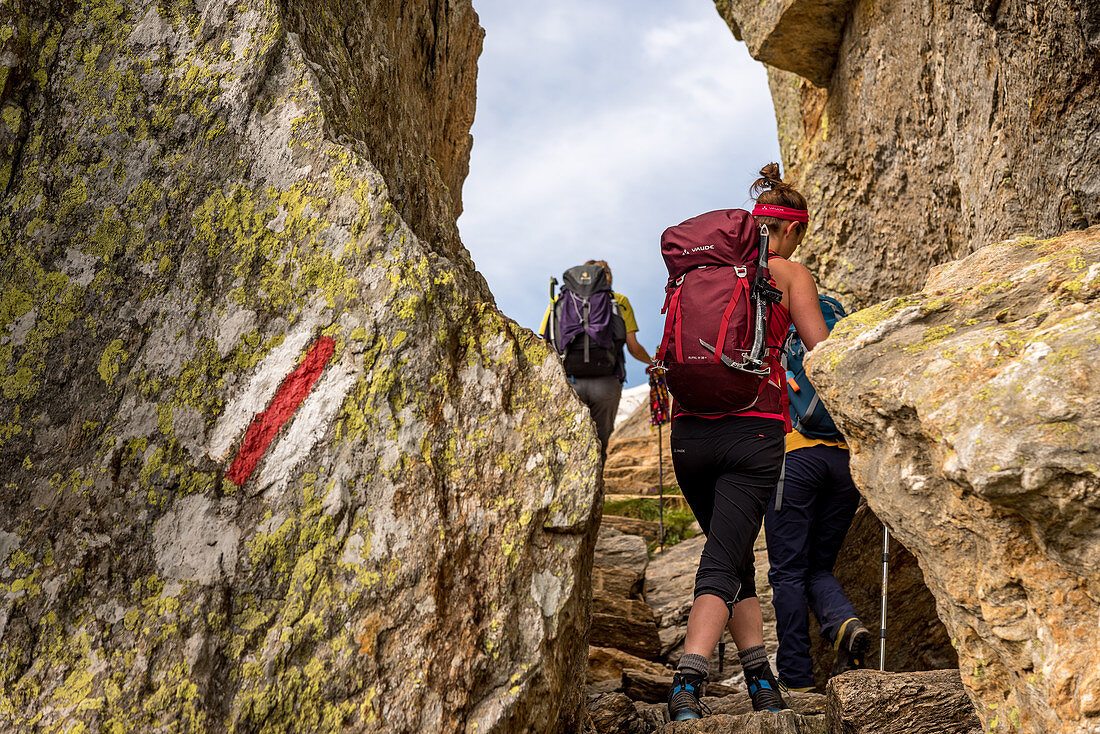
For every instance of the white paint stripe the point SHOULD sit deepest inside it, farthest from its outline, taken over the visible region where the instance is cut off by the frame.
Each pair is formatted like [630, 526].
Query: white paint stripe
[261, 388]
[309, 424]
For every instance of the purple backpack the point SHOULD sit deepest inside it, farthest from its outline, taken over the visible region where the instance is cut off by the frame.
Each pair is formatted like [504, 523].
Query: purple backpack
[586, 326]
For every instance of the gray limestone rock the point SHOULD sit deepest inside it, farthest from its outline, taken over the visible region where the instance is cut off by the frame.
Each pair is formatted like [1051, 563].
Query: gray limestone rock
[973, 413]
[615, 549]
[271, 459]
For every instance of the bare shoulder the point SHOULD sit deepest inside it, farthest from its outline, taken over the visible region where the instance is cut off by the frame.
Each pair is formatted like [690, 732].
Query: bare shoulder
[787, 272]
[790, 267]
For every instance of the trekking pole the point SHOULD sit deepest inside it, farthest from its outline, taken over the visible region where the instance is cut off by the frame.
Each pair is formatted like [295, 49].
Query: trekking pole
[553, 327]
[661, 486]
[658, 416]
[885, 573]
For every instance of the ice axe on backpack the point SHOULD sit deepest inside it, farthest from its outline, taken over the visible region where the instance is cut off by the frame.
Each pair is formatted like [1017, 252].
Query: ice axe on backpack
[763, 294]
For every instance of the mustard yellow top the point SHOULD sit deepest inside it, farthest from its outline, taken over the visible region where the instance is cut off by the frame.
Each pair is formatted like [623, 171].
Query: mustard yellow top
[796, 440]
[625, 309]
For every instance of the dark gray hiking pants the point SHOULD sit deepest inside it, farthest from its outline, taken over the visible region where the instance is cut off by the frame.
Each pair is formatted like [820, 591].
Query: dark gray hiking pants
[601, 395]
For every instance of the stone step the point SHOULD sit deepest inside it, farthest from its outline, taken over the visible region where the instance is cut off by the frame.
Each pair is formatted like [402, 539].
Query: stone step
[927, 702]
[648, 529]
[607, 664]
[763, 722]
[732, 712]
[618, 583]
[625, 624]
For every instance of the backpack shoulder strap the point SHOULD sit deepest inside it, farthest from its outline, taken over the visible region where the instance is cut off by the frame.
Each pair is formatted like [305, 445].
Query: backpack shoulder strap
[833, 304]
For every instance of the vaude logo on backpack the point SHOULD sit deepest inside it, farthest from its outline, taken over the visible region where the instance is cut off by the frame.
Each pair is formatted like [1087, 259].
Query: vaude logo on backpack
[586, 326]
[717, 345]
[808, 415]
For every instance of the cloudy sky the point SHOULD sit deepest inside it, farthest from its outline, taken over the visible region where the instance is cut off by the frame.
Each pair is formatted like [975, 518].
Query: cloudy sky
[599, 123]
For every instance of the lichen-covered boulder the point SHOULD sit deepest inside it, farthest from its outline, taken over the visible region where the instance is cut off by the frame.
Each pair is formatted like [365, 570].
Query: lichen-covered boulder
[973, 411]
[271, 460]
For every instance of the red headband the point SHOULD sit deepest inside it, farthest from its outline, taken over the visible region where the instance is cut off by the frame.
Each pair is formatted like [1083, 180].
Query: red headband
[781, 212]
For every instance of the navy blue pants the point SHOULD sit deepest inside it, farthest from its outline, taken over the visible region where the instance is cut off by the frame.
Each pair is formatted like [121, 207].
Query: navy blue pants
[804, 537]
[727, 468]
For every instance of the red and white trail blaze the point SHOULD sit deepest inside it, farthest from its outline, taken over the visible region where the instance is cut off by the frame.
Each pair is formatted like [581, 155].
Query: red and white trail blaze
[266, 425]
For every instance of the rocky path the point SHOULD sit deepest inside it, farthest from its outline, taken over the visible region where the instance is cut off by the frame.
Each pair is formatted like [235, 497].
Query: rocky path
[641, 601]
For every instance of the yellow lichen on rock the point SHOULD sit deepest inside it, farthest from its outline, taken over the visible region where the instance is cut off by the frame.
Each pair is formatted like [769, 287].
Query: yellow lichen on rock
[194, 211]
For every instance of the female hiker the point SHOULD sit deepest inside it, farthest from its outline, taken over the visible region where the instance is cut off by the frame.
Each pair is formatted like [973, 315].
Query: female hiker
[728, 454]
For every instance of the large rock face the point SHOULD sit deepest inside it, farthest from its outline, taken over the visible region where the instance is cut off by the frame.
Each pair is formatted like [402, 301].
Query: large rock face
[397, 84]
[802, 36]
[973, 410]
[939, 128]
[271, 460]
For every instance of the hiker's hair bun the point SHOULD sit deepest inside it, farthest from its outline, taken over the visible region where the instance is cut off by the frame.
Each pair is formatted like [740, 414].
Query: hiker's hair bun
[770, 180]
[770, 189]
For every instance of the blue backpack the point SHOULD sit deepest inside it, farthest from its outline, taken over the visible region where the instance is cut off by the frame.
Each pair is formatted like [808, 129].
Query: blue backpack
[808, 415]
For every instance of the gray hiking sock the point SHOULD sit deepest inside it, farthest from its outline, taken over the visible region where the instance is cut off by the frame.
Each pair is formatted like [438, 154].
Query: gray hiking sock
[694, 664]
[753, 658]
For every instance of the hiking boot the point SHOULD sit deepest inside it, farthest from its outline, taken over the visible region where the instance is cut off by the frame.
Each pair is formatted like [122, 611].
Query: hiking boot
[765, 691]
[683, 698]
[853, 642]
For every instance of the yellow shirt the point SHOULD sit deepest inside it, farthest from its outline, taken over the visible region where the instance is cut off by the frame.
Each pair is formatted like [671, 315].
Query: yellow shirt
[796, 440]
[625, 310]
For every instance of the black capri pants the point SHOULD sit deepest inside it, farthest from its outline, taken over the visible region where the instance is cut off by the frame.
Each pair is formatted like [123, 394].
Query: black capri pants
[727, 468]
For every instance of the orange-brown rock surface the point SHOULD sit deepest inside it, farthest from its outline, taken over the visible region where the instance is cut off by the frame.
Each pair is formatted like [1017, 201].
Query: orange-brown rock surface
[632, 456]
[922, 131]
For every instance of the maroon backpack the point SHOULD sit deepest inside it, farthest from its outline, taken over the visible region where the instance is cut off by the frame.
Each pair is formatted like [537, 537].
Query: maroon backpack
[722, 330]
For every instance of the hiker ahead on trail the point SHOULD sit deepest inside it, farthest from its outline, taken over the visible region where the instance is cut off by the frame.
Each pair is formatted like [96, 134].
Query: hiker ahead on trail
[730, 298]
[805, 525]
[590, 324]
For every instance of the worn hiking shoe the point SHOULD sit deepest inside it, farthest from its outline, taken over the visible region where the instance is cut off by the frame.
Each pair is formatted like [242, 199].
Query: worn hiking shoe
[765, 691]
[683, 698]
[853, 642]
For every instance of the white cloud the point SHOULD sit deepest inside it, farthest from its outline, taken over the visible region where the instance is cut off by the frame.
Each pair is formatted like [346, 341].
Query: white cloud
[598, 125]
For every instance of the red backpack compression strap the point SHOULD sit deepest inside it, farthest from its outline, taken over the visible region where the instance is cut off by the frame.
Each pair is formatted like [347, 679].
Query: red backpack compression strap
[741, 288]
[672, 301]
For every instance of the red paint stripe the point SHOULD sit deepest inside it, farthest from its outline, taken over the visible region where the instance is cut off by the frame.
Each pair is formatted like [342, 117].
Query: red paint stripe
[265, 426]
